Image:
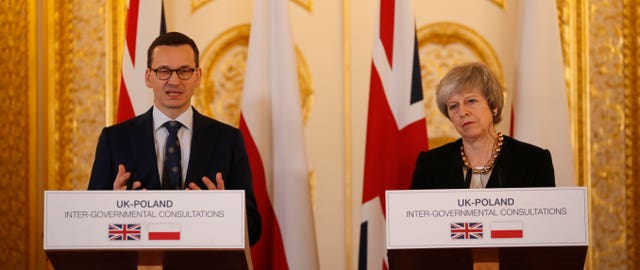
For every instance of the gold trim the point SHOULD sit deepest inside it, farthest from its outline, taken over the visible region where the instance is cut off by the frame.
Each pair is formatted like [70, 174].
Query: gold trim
[573, 22]
[116, 13]
[17, 168]
[445, 33]
[305, 84]
[632, 134]
[499, 3]
[306, 4]
[347, 134]
[60, 41]
[226, 106]
[75, 46]
[203, 99]
[49, 92]
[573, 29]
[35, 256]
[197, 4]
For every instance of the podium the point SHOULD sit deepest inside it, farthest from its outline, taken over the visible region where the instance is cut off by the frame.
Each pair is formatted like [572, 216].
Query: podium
[146, 230]
[532, 228]
[157, 259]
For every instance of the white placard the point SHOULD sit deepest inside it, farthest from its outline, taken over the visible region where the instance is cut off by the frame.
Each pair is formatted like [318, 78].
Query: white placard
[144, 220]
[486, 218]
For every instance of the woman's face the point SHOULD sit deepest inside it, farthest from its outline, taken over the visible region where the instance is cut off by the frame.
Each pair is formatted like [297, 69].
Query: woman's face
[470, 113]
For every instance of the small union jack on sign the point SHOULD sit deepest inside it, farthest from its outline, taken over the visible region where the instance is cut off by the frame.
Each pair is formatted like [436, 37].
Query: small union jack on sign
[124, 231]
[466, 230]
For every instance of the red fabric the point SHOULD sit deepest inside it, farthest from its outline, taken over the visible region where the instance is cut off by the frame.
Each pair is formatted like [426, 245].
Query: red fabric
[390, 153]
[125, 107]
[387, 17]
[268, 252]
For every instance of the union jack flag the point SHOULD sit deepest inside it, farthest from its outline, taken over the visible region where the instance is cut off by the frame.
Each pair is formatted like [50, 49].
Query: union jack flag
[466, 230]
[124, 231]
[396, 126]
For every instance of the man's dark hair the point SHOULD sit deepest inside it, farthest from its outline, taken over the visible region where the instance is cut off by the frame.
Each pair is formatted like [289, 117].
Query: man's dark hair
[173, 39]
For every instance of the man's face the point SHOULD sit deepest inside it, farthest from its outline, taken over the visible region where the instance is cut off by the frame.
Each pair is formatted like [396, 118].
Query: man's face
[173, 95]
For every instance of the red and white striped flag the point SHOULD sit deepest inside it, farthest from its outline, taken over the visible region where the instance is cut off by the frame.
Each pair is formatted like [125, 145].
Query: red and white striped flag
[142, 28]
[540, 107]
[271, 123]
[396, 128]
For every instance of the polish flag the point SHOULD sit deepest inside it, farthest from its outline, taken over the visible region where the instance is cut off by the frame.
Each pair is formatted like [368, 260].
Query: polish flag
[271, 125]
[164, 231]
[506, 230]
[145, 21]
[540, 105]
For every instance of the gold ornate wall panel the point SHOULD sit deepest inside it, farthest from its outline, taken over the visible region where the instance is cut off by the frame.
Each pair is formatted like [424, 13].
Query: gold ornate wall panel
[224, 64]
[607, 186]
[76, 88]
[572, 16]
[631, 53]
[116, 13]
[448, 44]
[17, 235]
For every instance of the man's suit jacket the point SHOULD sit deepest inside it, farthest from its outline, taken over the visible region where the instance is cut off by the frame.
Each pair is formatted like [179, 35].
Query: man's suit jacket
[215, 147]
[518, 165]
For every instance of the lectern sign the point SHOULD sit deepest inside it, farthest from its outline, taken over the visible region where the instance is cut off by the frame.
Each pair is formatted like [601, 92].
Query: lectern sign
[486, 218]
[144, 219]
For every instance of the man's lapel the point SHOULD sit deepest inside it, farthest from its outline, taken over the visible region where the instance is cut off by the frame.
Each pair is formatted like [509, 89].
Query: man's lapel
[203, 140]
[144, 152]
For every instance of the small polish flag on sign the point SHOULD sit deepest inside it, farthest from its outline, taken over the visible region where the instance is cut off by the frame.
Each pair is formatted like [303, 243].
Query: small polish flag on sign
[164, 231]
[506, 230]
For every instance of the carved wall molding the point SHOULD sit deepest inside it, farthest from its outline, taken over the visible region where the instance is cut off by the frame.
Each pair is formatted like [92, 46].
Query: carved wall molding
[608, 189]
[224, 63]
[77, 88]
[631, 29]
[17, 133]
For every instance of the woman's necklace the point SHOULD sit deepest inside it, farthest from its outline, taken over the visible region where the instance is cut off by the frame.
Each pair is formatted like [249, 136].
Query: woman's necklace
[489, 165]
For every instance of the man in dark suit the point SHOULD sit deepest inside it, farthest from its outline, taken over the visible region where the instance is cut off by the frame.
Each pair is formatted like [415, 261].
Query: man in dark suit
[206, 153]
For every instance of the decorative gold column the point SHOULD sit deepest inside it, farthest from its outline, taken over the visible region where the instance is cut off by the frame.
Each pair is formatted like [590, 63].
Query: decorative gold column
[601, 51]
[76, 84]
[631, 29]
[17, 158]
[606, 93]
[79, 45]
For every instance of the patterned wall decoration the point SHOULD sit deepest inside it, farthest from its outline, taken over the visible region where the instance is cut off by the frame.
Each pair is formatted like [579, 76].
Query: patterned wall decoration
[15, 134]
[572, 17]
[601, 52]
[571, 14]
[607, 139]
[631, 29]
[223, 62]
[77, 90]
[447, 45]
[499, 3]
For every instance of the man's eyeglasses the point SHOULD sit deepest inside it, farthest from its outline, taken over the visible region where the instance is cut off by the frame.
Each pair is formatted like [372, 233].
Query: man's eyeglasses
[184, 73]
